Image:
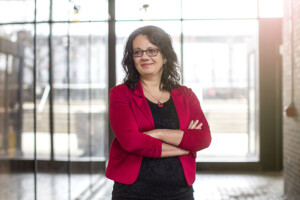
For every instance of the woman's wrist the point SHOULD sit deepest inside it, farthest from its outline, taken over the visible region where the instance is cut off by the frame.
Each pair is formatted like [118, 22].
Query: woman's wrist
[155, 133]
[159, 134]
[170, 136]
[170, 151]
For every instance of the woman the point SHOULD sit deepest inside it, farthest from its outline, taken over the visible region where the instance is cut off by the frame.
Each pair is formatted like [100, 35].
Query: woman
[158, 124]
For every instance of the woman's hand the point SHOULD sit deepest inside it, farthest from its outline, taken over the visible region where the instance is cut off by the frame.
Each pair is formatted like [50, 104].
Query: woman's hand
[193, 125]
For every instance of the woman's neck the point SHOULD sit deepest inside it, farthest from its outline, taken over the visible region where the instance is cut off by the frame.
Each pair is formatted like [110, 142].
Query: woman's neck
[151, 84]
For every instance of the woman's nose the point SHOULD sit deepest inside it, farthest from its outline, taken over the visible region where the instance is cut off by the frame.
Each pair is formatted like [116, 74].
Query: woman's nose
[144, 56]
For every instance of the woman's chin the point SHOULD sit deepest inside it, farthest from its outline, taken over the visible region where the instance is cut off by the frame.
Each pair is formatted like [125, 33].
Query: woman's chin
[150, 72]
[147, 73]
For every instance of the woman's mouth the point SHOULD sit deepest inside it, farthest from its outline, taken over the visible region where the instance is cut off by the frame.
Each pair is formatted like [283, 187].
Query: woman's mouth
[146, 64]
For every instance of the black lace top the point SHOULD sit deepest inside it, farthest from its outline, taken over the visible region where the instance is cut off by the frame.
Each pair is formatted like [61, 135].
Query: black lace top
[159, 178]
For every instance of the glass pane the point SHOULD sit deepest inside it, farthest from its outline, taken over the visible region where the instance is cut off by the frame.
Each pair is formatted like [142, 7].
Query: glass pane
[50, 184]
[80, 120]
[99, 91]
[147, 9]
[16, 11]
[13, 106]
[90, 10]
[3, 106]
[88, 77]
[18, 100]
[215, 67]
[252, 102]
[99, 79]
[271, 8]
[16, 110]
[79, 88]
[42, 10]
[3, 142]
[76, 10]
[124, 29]
[42, 92]
[197, 9]
[60, 95]
[62, 10]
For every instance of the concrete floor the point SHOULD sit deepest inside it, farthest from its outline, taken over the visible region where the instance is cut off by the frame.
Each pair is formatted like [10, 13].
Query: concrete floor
[208, 186]
[229, 186]
[243, 186]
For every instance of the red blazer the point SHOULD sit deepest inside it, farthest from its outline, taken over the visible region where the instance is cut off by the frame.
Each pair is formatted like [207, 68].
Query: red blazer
[130, 116]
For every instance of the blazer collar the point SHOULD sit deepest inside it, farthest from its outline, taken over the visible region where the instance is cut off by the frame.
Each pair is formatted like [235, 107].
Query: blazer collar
[141, 101]
[139, 90]
[180, 105]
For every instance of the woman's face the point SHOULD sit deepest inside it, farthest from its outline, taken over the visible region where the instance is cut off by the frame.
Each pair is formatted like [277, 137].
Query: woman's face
[147, 66]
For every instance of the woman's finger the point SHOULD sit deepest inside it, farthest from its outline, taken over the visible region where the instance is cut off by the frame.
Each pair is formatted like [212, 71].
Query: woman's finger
[194, 124]
[190, 125]
[199, 126]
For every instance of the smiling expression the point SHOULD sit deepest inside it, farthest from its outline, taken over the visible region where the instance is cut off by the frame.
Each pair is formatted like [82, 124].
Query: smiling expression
[146, 65]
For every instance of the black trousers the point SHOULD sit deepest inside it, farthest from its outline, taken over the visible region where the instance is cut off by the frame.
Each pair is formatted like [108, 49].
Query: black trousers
[189, 197]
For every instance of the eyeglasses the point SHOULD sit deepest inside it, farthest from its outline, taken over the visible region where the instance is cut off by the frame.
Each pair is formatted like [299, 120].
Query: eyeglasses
[139, 52]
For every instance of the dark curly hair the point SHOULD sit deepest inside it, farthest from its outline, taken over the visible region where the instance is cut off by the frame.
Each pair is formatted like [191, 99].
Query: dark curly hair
[157, 36]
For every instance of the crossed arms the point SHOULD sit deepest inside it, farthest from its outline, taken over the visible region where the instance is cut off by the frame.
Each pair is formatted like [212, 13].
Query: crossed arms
[157, 142]
[171, 139]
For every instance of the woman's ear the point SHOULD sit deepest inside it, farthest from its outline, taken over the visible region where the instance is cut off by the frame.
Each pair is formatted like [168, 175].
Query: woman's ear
[165, 61]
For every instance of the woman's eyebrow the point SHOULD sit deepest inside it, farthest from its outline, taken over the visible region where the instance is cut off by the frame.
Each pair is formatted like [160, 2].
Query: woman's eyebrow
[146, 48]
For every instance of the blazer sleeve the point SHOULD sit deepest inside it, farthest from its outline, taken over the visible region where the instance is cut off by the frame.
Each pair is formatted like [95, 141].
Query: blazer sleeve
[125, 128]
[195, 139]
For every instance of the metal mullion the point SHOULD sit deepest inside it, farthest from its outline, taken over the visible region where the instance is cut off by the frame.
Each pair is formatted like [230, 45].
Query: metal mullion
[51, 118]
[6, 111]
[248, 101]
[34, 102]
[132, 20]
[69, 109]
[111, 60]
[186, 19]
[47, 22]
[90, 106]
[181, 42]
[20, 98]
[68, 114]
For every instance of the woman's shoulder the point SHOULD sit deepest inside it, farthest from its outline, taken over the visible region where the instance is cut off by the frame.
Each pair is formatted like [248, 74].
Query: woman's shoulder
[120, 87]
[186, 92]
[120, 90]
[183, 89]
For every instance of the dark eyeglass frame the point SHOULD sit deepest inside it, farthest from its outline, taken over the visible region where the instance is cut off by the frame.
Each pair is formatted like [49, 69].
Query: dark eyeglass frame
[157, 50]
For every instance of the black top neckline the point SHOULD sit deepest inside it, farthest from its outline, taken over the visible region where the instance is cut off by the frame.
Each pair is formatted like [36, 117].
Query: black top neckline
[161, 103]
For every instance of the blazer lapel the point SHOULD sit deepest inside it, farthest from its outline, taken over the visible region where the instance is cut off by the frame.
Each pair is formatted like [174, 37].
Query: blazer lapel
[181, 107]
[142, 104]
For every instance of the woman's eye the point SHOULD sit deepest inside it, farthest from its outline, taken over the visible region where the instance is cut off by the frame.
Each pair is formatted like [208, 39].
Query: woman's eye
[152, 50]
[137, 52]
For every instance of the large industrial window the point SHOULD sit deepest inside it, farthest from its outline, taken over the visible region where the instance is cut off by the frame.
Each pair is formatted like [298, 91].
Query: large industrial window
[53, 97]
[54, 67]
[215, 57]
